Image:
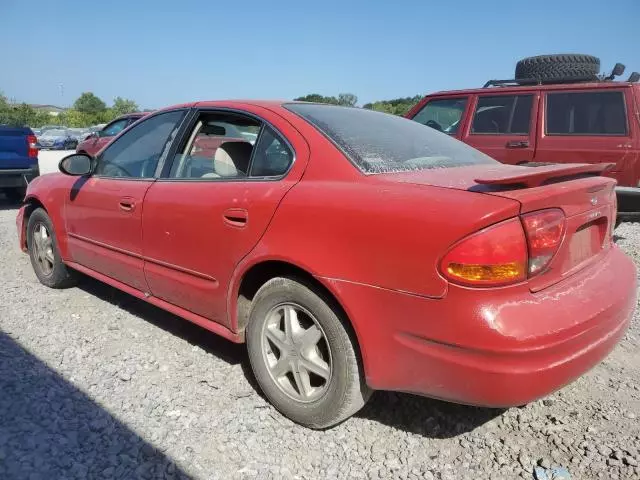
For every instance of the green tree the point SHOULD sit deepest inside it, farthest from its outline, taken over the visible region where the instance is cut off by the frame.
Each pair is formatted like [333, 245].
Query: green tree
[396, 106]
[317, 98]
[347, 99]
[123, 105]
[89, 103]
[23, 115]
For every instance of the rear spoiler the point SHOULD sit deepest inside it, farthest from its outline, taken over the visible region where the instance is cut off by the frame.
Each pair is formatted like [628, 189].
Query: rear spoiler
[537, 176]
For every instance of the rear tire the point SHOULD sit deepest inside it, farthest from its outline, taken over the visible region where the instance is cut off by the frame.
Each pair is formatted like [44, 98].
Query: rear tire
[44, 253]
[553, 67]
[319, 383]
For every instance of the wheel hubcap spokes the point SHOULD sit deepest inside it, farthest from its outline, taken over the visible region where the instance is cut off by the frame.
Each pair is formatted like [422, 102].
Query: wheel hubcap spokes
[43, 246]
[296, 352]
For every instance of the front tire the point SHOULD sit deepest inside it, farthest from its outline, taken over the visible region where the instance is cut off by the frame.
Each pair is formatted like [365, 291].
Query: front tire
[44, 253]
[302, 355]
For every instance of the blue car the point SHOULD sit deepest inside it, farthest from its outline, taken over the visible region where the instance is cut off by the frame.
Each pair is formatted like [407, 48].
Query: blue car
[57, 140]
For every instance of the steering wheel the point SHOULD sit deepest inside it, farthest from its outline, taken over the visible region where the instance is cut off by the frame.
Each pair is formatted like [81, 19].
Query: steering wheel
[434, 124]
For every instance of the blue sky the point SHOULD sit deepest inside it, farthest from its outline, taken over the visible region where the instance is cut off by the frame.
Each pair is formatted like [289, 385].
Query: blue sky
[161, 52]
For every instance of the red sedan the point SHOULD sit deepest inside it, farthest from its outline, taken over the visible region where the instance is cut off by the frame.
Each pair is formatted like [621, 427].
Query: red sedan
[351, 250]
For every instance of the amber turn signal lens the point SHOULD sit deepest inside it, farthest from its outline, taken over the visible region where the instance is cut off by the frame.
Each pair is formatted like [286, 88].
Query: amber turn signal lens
[492, 257]
[506, 272]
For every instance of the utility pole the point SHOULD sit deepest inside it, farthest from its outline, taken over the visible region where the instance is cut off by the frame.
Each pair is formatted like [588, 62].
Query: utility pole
[61, 94]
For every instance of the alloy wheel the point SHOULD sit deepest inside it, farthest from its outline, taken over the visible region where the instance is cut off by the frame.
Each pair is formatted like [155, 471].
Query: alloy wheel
[296, 352]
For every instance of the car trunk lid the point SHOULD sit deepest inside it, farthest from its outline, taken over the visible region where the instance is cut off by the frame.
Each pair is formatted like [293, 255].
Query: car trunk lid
[586, 198]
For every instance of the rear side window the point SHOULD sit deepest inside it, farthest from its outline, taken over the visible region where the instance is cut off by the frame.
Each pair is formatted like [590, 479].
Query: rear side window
[442, 114]
[503, 114]
[382, 143]
[586, 113]
[272, 157]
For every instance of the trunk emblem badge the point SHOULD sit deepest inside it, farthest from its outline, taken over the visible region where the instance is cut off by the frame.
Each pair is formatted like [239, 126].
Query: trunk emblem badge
[594, 201]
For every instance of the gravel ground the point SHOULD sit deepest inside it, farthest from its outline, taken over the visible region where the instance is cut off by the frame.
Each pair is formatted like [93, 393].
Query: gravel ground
[96, 384]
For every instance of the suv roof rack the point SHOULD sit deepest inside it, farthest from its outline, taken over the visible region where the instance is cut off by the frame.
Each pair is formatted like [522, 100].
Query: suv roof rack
[537, 81]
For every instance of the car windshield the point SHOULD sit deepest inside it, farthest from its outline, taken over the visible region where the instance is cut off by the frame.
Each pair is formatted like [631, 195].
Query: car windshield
[381, 143]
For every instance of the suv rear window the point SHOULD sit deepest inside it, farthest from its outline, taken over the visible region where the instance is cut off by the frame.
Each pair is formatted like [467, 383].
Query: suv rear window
[503, 114]
[442, 114]
[586, 113]
[379, 142]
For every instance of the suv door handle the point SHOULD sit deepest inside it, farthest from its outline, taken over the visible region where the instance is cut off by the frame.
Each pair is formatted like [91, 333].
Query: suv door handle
[236, 217]
[518, 144]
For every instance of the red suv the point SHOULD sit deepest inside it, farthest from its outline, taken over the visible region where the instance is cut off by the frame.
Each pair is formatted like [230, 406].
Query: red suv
[557, 110]
[95, 142]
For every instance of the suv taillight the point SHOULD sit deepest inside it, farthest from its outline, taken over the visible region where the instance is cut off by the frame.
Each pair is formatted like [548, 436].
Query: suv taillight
[508, 252]
[32, 146]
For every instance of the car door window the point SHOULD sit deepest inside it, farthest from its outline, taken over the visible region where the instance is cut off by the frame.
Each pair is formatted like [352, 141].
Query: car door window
[136, 153]
[443, 114]
[219, 146]
[503, 114]
[272, 156]
[586, 113]
[114, 128]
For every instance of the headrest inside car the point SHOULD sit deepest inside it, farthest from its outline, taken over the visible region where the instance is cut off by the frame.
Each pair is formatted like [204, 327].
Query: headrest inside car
[210, 129]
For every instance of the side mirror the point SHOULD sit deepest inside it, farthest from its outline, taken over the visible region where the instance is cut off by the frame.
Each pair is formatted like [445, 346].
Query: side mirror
[76, 164]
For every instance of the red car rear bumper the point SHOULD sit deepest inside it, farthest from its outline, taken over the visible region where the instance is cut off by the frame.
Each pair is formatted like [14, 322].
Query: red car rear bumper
[499, 347]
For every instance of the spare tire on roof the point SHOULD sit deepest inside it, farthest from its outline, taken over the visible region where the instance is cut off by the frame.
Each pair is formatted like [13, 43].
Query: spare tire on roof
[557, 67]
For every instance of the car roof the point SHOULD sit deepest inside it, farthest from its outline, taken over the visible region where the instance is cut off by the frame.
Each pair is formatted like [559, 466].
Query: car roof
[134, 114]
[255, 103]
[529, 88]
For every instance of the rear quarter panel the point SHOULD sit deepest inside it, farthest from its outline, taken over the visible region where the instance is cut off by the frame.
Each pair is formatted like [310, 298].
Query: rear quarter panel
[370, 233]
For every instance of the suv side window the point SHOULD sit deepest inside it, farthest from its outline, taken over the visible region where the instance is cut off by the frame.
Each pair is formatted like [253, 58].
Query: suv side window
[136, 153]
[443, 114]
[503, 115]
[114, 128]
[586, 113]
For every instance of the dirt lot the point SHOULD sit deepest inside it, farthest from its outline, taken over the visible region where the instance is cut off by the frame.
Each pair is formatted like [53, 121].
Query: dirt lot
[96, 384]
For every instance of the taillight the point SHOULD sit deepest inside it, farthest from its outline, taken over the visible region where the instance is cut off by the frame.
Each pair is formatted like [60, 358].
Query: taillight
[494, 256]
[508, 252]
[544, 230]
[32, 144]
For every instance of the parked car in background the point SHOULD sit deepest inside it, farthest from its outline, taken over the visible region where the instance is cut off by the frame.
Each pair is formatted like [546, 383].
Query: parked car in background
[556, 110]
[79, 133]
[44, 128]
[350, 249]
[18, 161]
[97, 140]
[57, 140]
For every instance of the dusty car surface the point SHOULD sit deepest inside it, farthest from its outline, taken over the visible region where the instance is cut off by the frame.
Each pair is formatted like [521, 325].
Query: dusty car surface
[351, 250]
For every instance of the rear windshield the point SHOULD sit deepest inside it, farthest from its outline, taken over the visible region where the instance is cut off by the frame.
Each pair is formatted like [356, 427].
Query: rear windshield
[381, 143]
